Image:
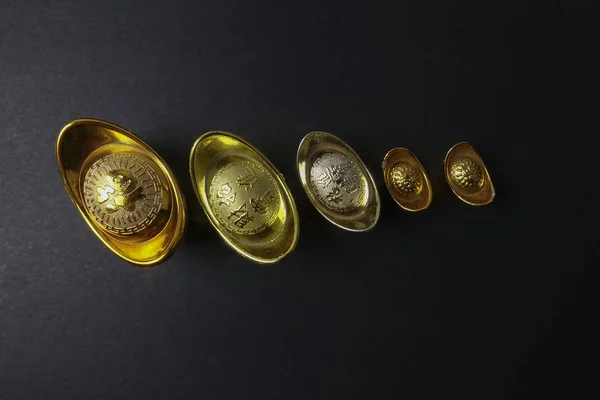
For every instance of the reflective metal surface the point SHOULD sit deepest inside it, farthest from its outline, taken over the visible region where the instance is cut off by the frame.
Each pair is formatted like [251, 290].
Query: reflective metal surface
[467, 175]
[244, 196]
[337, 182]
[406, 180]
[123, 189]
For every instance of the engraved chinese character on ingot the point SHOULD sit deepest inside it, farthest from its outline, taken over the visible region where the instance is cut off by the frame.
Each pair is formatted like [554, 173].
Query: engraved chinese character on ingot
[351, 184]
[248, 179]
[334, 174]
[240, 216]
[225, 196]
[335, 195]
[120, 192]
[261, 205]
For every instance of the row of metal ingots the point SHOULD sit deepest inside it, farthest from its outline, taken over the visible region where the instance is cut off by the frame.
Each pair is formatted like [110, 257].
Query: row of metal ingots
[131, 200]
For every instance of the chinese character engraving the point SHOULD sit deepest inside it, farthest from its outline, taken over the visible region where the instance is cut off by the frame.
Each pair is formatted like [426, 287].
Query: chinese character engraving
[261, 205]
[351, 184]
[248, 179]
[335, 195]
[337, 182]
[240, 216]
[120, 192]
[244, 197]
[225, 196]
[333, 174]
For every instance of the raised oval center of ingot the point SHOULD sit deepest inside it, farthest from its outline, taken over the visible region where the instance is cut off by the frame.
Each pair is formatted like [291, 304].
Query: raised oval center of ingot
[337, 182]
[123, 193]
[244, 197]
[467, 174]
[406, 179]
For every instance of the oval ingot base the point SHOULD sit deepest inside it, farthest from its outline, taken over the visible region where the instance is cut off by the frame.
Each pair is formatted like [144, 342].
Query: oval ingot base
[123, 190]
[467, 175]
[337, 182]
[244, 197]
[406, 180]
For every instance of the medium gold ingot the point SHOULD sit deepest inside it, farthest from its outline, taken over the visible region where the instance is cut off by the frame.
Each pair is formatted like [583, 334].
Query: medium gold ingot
[406, 180]
[337, 182]
[244, 196]
[123, 189]
[467, 175]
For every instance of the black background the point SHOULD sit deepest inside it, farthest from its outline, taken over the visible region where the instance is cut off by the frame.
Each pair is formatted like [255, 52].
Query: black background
[486, 303]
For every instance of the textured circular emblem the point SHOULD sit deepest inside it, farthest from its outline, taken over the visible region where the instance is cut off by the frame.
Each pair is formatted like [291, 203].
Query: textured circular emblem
[467, 174]
[406, 179]
[337, 182]
[123, 193]
[244, 197]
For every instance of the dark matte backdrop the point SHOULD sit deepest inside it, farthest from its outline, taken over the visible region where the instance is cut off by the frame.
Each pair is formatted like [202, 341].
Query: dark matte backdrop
[473, 303]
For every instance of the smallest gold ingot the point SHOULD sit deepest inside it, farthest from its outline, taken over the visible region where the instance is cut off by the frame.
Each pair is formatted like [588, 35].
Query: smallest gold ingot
[406, 180]
[467, 175]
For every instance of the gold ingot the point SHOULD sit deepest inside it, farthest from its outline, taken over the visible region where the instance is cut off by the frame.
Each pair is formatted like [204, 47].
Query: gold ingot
[467, 175]
[337, 182]
[123, 190]
[244, 196]
[406, 180]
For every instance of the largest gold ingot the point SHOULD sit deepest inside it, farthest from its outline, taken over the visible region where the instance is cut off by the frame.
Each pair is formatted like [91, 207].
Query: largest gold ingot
[244, 196]
[123, 190]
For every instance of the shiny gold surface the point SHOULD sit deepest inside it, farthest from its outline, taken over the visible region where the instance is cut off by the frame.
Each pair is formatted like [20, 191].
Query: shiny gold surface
[406, 180]
[337, 182]
[123, 189]
[467, 175]
[123, 193]
[244, 196]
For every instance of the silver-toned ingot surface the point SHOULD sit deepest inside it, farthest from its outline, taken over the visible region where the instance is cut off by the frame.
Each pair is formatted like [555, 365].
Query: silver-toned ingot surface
[337, 182]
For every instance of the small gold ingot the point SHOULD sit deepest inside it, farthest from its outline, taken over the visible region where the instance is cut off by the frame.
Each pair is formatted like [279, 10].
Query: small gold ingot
[123, 189]
[244, 196]
[337, 182]
[467, 175]
[406, 180]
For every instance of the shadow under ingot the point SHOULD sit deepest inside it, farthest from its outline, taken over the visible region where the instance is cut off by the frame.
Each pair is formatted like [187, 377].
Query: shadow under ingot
[337, 182]
[244, 196]
[467, 175]
[123, 189]
[406, 180]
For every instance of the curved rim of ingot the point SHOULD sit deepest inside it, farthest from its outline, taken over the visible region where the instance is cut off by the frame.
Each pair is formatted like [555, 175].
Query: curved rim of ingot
[266, 246]
[83, 143]
[479, 196]
[410, 202]
[360, 218]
